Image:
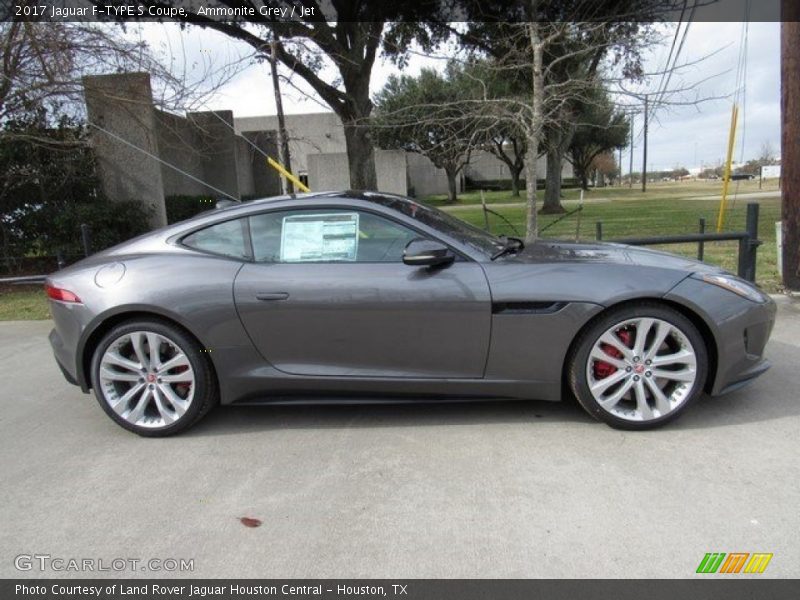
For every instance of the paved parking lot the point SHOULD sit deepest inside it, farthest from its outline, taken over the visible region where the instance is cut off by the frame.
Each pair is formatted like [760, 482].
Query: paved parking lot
[464, 490]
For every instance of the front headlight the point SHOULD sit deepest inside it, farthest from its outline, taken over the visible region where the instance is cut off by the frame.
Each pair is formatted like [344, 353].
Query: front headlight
[733, 284]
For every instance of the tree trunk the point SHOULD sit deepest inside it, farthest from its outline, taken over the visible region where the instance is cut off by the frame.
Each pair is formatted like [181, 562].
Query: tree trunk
[452, 185]
[534, 131]
[360, 155]
[790, 150]
[584, 177]
[531, 226]
[552, 190]
[516, 171]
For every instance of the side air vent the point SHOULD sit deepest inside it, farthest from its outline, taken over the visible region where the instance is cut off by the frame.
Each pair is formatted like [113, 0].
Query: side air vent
[526, 308]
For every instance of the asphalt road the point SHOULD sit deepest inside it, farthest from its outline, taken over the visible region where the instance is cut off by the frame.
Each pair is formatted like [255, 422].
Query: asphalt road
[465, 490]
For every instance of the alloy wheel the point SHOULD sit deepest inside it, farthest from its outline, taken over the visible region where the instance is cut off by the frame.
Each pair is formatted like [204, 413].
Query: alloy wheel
[641, 369]
[147, 379]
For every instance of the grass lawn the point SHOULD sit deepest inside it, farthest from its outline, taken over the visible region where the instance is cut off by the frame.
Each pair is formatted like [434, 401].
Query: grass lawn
[23, 303]
[666, 209]
[656, 190]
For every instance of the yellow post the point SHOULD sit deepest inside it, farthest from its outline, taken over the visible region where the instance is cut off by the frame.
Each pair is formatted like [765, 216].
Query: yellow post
[279, 168]
[726, 177]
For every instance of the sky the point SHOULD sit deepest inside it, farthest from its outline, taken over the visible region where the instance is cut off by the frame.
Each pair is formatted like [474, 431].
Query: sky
[682, 135]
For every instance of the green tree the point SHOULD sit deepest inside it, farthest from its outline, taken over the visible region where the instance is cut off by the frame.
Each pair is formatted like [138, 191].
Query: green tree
[599, 129]
[425, 115]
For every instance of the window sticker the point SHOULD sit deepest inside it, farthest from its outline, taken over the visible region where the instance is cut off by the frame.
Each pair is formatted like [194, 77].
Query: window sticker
[319, 237]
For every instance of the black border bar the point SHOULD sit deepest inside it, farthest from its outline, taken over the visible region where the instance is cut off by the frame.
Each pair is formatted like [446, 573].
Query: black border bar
[272, 11]
[713, 587]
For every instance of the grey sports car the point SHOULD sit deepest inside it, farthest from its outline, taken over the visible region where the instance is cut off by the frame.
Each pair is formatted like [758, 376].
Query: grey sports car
[366, 297]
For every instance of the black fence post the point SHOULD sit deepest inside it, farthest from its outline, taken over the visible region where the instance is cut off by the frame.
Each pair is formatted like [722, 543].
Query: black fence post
[701, 247]
[60, 259]
[598, 230]
[86, 238]
[748, 247]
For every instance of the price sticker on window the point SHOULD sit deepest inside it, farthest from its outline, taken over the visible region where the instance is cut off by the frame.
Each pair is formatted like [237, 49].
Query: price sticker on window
[328, 237]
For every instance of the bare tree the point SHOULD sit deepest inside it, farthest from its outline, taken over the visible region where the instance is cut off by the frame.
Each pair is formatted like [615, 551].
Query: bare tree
[42, 65]
[767, 155]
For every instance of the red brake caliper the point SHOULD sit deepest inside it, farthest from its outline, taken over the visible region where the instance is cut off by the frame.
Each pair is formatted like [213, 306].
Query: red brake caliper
[602, 369]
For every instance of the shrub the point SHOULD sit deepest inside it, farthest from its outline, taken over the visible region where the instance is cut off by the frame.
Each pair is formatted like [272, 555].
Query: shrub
[180, 207]
[49, 183]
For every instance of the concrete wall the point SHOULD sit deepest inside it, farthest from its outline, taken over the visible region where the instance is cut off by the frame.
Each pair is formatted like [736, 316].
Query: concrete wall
[425, 178]
[123, 105]
[329, 172]
[198, 154]
[178, 145]
[485, 166]
[318, 133]
[203, 146]
[217, 148]
[206, 146]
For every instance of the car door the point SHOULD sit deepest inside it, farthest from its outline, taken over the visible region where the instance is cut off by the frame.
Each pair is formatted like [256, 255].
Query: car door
[329, 294]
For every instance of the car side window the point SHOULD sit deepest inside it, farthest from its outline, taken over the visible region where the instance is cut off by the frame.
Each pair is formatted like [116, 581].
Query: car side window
[227, 238]
[327, 235]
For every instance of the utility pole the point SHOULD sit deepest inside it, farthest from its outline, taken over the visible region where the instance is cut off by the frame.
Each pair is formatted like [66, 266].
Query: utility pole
[619, 166]
[630, 166]
[283, 142]
[790, 142]
[644, 157]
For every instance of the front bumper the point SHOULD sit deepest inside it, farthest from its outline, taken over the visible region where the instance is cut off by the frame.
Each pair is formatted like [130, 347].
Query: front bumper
[740, 327]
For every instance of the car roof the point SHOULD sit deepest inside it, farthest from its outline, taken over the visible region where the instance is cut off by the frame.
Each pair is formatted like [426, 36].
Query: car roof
[387, 200]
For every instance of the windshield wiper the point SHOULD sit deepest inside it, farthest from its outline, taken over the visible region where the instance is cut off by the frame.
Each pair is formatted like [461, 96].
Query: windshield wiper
[510, 244]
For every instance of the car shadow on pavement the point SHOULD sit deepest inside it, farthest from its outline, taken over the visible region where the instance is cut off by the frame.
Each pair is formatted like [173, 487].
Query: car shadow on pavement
[242, 419]
[772, 396]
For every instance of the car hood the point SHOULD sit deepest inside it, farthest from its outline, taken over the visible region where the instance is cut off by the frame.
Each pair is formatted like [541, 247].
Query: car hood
[607, 253]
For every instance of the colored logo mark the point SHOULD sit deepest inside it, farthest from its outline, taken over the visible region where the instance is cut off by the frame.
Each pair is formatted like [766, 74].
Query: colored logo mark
[734, 562]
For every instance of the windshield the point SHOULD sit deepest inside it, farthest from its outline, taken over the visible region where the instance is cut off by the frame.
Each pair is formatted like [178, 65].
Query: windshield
[441, 221]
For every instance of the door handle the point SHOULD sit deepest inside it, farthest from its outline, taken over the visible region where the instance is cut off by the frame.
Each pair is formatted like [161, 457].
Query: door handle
[267, 296]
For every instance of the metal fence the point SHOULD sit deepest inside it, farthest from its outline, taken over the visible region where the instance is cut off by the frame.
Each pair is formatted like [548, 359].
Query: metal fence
[748, 241]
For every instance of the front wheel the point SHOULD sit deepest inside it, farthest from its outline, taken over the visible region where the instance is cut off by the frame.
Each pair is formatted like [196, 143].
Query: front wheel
[639, 366]
[151, 378]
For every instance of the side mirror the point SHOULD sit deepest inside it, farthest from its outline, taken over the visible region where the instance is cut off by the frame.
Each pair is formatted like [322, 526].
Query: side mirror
[427, 253]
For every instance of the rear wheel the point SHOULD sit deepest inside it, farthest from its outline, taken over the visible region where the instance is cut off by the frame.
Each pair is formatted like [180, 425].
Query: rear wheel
[639, 366]
[151, 378]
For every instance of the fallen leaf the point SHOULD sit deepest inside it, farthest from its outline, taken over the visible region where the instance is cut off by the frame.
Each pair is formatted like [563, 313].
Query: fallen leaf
[250, 522]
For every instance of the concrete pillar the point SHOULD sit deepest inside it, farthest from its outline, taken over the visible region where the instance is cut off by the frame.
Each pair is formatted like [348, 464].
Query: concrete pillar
[122, 104]
[218, 150]
[266, 181]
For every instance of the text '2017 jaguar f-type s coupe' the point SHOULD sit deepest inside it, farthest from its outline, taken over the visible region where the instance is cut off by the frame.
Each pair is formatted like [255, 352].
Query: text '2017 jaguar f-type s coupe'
[367, 297]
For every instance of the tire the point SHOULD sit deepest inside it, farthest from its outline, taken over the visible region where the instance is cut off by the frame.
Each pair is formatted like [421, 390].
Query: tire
[615, 385]
[164, 397]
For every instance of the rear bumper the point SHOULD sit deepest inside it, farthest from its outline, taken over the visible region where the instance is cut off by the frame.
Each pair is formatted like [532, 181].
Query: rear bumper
[740, 327]
[64, 339]
[64, 359]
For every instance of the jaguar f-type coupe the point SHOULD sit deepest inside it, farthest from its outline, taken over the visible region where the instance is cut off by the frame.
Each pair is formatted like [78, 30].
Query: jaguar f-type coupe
[356, 297]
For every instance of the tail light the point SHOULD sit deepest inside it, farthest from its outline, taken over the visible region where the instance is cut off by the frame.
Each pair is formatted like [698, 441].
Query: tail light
[61, 294]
